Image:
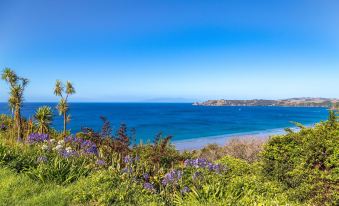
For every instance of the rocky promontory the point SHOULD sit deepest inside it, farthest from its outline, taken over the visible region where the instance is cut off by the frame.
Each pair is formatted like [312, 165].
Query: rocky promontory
[291, 102]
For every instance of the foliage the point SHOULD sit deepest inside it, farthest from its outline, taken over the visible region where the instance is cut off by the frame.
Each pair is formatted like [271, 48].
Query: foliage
[306, 162]
[59, 170]
[243, 148]
[63, 106]
[43, 117]
[16, 96]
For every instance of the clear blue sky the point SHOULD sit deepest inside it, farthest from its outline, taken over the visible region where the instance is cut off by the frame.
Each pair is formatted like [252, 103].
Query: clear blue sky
[172, 50]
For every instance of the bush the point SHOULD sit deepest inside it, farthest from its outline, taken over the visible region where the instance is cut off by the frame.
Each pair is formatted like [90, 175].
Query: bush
[110, 188]
[306, 162]
[18, 158]
[242, 148]
[60, 170]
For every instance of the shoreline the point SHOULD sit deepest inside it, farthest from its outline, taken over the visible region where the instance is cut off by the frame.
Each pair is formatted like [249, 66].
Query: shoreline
[221, 140]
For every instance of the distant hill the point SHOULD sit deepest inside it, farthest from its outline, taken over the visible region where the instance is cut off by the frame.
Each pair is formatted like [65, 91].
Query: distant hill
[292, 102]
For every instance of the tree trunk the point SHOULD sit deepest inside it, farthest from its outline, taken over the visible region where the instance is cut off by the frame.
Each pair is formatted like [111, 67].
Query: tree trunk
[65, 119]
[17, 117]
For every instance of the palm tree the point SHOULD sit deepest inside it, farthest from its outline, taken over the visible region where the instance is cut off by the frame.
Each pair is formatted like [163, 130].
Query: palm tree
[43, 117]
[62, 106]
[17, 86]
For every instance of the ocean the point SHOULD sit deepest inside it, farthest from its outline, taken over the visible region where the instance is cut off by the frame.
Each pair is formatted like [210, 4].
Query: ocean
[186, 123]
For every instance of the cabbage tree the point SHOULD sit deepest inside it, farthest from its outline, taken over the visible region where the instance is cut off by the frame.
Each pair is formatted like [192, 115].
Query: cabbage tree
[64, 92]
[17, 87]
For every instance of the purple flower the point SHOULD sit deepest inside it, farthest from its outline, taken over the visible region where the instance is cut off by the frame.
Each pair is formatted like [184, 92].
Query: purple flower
[129, 160]
[203, 163]
[148, 186]
[197, 163]
[85, 146]
[3, 127]
[172, 177]
[217, 168]
[66, 153]
[136, 159]
[36, 138]
[146, 176]
[91, 148]
[127, 170]
[185, 190]
[100, 162]
[42, 159]
[196, 175]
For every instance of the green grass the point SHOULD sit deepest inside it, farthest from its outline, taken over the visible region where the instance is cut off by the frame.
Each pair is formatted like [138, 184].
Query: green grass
[19, 189]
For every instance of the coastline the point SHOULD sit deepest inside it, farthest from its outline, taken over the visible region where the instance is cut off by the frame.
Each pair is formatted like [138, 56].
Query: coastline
[200, 142]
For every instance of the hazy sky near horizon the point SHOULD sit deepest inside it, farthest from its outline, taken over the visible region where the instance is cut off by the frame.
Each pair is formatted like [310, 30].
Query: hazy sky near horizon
[172, 50]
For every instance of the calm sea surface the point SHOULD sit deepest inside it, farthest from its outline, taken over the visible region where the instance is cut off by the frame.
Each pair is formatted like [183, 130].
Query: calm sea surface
[181, 120]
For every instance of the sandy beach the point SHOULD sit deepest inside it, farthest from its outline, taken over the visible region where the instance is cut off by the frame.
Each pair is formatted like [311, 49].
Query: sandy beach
[198, 143]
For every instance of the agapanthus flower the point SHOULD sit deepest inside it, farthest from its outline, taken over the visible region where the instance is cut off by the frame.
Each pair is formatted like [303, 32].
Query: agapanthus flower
[185, 190]
[149, 186]
[85, 146]
[196, 175]
[37, 138]
[172, 177]
[128, 159]
[217, 168]
[197, 163]
[100, 162]
[146, 176]
[203, 163]
[3, 127]
[128, 170]
[64, 153]
[90, 149]
[42, 159]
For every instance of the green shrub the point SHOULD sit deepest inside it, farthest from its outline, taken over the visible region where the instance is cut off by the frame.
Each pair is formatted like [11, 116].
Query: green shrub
[110, 188]
[306, 162]
[17, 157]
[60, 170]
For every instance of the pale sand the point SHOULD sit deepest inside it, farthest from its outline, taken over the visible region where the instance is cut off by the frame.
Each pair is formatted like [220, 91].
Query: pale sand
[198, 143]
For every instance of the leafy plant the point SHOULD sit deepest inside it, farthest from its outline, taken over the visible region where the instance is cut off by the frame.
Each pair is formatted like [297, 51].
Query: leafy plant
[43, 117]
[63, 106]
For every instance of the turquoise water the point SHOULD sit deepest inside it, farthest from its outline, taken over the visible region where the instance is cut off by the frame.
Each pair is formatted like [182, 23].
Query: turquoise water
[181, 120]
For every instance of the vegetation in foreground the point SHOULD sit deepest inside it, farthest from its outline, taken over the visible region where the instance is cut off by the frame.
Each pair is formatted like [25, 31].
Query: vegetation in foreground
[41, 166]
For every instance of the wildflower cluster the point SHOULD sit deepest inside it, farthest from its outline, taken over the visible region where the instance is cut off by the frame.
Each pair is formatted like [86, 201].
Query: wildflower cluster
[85, 146]
[130, 160]
[60, 147]
[203, 163]
[68, 152]
[149, 186]
[172, 177]
[37, 138]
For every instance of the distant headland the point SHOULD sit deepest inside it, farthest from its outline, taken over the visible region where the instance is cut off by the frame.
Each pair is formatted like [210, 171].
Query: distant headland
[291, 102]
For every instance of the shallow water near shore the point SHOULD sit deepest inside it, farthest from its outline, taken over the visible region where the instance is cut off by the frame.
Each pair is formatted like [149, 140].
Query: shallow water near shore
[190, 126]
